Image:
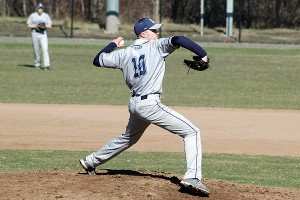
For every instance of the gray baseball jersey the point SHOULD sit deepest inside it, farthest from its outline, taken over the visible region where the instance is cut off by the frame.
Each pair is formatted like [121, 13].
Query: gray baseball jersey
[142, 64]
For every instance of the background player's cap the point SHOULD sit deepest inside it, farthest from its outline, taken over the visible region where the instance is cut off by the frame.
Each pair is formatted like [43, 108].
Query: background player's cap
[40, 5]
[144, 24]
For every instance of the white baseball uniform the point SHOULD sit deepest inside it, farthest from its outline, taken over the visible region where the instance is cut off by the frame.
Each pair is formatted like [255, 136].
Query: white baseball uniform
[40, 38]
[143, 68]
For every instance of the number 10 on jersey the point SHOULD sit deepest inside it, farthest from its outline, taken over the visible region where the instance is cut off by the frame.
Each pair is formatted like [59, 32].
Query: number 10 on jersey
[139, 66]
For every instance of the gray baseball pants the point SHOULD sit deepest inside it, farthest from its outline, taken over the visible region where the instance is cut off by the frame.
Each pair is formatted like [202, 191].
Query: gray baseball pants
[152, 111]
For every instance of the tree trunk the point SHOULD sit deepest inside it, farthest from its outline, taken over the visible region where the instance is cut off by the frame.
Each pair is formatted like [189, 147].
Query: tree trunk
[3, 10]
[34, 3]
[277, 13]
[156, 16]
[24, 8]
[56, 8]
[82, 9]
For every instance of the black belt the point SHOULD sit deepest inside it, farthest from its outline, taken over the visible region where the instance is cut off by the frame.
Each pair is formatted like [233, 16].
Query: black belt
[143, 97]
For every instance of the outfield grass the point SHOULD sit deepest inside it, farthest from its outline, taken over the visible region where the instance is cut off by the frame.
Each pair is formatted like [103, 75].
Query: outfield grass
[239, 78]
[258, 170]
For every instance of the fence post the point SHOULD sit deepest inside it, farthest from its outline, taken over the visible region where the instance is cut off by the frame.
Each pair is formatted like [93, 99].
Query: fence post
[229, 17]
[112, 16]
[72, 18]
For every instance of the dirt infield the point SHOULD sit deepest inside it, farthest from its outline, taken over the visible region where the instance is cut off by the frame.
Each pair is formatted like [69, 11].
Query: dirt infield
[81, 127]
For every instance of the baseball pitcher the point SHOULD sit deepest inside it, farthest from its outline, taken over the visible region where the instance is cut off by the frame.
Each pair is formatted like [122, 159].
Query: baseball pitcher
[143, 68]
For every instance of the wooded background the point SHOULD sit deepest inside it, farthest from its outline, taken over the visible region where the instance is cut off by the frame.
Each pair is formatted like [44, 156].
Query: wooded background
[257, 14]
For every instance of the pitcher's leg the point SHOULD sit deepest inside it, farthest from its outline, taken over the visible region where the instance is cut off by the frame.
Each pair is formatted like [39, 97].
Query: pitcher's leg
[193, 154]
[134, 131]
[174, 122]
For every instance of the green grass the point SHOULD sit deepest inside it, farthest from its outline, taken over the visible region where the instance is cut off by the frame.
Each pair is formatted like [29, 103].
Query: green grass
[239, 77]
[73, 80]
[257, 170]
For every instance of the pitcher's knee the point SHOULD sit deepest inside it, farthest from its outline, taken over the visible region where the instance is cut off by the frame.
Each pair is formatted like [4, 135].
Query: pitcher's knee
[193, 132]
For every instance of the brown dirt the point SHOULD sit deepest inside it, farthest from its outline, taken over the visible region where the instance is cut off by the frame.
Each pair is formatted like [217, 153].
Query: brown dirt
[81, 127]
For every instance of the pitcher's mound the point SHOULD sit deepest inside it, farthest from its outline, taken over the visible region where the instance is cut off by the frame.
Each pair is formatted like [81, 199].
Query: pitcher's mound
[125, 184]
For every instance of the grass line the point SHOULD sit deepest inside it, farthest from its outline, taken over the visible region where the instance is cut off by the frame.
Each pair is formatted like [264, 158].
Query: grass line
[257, 170]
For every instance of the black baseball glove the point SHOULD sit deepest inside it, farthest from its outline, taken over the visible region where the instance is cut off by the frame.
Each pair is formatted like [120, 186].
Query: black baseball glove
[41, 27]
[197, 63]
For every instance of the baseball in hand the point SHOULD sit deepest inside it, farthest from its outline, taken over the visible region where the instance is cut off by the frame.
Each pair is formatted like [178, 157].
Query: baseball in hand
[122, 42]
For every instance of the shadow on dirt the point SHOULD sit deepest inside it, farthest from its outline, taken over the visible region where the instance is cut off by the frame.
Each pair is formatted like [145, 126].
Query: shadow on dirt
[173, 179]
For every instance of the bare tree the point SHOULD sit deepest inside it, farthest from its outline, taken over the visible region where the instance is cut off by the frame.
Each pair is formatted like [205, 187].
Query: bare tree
[24, 8]
[277, 13]
[93, 7]
[4, 11]
[156, 16]
[82, 9]
[179, 10]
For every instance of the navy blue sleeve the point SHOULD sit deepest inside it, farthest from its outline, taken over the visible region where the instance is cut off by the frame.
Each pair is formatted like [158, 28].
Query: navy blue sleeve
[109, 48]
[182, 41]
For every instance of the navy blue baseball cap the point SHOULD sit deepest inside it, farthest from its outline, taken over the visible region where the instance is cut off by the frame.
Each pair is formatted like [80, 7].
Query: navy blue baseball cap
[40, 5]
[144, 24]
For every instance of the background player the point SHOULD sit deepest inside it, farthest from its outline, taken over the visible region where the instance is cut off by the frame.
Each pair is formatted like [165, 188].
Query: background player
[39, 37]
[143, 67]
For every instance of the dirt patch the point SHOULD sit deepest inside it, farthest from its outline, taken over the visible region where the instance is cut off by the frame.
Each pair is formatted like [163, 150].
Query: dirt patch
[79, 127]
[88, 127]
[114, 184]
